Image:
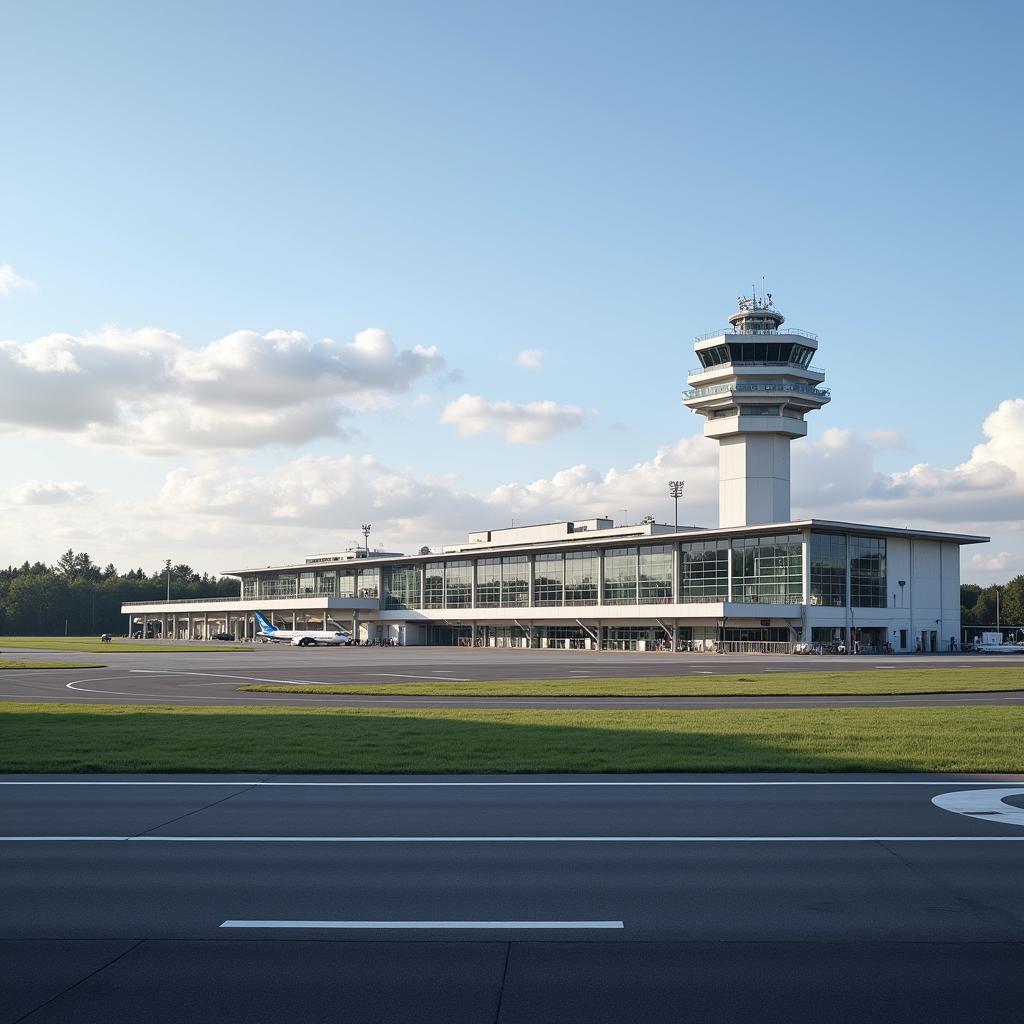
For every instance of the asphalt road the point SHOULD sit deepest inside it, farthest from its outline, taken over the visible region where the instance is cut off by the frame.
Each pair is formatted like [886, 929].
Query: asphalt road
[204, 679]
[518, 901]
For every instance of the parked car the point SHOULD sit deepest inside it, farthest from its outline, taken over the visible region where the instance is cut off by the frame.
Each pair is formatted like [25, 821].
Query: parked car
[223, 636]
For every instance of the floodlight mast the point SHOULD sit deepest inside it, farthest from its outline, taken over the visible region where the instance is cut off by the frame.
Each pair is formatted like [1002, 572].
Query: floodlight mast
[366, 538]
[675, 490]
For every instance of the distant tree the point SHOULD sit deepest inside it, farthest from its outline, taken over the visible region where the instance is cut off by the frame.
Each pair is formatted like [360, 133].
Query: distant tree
[1011, 604]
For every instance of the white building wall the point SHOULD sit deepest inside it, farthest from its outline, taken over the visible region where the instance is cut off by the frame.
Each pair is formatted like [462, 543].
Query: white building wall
[753, 479]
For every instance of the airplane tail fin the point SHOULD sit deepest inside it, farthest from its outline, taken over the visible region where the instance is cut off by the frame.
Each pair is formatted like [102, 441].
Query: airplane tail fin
[265, 627]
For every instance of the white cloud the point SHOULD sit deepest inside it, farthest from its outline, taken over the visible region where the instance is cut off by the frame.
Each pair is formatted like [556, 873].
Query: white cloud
[10, 281]
[149, 392]
[992, 563]
[531, 358]
[39, 492]
[519, 424]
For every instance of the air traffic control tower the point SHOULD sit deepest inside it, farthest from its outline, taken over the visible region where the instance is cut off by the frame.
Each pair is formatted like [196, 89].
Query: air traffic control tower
[754, 387]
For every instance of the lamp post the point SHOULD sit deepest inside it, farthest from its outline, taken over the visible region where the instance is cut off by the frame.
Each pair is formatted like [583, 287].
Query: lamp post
[675, 490]
[167, 566]
[366, 538]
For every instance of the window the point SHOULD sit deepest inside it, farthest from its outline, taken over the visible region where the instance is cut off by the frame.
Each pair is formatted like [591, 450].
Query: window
[488, 583]
[249, 588]
[867, 572]
[581, 568]
[458, 584]
[620, 576]
[828, 569]
[347, 583]
[402, 586]
[767, 569]
[278, 586]
[656, 574]
[325, 582]
[433, 585]
[515, 581]
[369, 583]
[307, 584]
[549, 579]
[903, 639]
[704, 571]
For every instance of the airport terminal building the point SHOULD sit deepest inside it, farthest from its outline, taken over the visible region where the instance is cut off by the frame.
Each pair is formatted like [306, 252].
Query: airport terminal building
[760, 580]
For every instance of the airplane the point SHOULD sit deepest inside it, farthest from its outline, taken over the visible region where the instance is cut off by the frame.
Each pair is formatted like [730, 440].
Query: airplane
[301, 637]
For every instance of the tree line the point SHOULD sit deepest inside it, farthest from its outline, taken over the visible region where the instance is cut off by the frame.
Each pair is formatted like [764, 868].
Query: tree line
[978, 604]
[78, 598]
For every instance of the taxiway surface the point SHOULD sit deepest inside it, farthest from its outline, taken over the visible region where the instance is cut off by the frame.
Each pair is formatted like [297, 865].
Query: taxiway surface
[474, 899]
[203, 679]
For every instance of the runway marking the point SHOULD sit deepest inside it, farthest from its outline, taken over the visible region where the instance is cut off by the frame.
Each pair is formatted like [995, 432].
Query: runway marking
[988, 804]
[429, 679]
[425, 924]
[221, 675]
[512, 839]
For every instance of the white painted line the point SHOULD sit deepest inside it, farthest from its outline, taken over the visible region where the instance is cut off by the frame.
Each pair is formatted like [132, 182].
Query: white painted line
[402, 675]
[512, 839]
[983, 803]
[511, 784]
[424, 924]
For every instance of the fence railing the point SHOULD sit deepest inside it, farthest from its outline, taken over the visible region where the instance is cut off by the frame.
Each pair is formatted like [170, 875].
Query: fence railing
[780, 332]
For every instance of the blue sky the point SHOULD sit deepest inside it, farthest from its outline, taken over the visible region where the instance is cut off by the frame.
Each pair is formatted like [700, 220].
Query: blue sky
[594, 181]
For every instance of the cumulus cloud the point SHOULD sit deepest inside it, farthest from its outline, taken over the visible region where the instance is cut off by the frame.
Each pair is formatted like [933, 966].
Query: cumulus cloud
[10, 281]
[150, 392]
[531, 358]
[992, 563]
[40, 492]
[530, 423]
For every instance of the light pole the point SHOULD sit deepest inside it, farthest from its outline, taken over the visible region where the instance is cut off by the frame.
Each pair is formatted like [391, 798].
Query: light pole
[167, 566]
[366, 538]
[675, 490]
[997, 608]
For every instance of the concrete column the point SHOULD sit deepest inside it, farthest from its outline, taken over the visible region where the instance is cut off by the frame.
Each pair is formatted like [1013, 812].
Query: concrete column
[206, 625]
[532, 578]
[355, 624]
[472, 634]
[294, 621]
[325, 621]
[145, 625]
[600, 577]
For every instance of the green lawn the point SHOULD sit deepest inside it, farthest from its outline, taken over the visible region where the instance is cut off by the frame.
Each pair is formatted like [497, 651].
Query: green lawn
[801, 684]
[75, 737]
[6, 663]
[93, 645]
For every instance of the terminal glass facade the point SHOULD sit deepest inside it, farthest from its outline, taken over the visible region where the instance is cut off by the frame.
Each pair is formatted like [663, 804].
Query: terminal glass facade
[828, 569]
[549, 579]
[620, 576]
[433, 585]
[458, 584]
[515, 581]
[768, 570]
[704, 570]
[581, 572]
[655, 574]
[402, 586]
[867, 572]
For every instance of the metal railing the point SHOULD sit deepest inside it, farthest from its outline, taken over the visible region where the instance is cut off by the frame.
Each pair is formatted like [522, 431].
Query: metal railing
[772, 386]
[757, 362]
[781, 332]
[745, 646]
[183, 600]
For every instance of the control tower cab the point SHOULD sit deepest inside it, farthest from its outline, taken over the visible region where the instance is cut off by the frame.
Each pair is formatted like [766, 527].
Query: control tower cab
[754, 386]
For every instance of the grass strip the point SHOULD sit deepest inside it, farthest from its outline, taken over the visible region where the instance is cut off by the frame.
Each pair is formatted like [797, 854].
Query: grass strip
[7, 664]
[93, 645]
[113, 738]
[779, 684]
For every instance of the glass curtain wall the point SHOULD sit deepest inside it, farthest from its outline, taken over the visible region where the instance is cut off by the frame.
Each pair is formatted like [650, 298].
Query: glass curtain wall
[433, 585]
[767, 569]
[369, 583]
[656, 574]
[458, 584]
[867, 572]
[548, 579]
[402, 586]
[828, 569]
[488, 583]
[581, 569]
[704, 570]
[249, 588]
[620, 576]
[515, 581]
